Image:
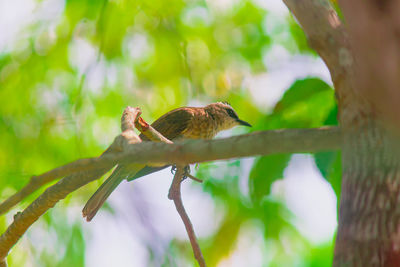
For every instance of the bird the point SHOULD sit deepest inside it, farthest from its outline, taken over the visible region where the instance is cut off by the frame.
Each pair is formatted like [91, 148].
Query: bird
[177, 124]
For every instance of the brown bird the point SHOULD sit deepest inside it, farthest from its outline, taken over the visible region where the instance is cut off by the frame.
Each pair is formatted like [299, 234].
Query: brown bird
[181, 123]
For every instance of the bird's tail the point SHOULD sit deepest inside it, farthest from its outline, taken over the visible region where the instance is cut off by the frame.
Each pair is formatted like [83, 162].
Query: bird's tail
[100, 196]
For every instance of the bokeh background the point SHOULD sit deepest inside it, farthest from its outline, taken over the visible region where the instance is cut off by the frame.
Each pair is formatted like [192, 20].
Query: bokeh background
[69, 68]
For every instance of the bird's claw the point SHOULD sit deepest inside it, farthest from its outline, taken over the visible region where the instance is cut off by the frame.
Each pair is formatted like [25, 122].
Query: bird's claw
[173, 169]
[186, 171]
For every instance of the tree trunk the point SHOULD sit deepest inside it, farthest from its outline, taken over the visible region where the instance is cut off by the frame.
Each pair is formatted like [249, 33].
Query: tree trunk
[369, 232]
[363, 58]
[369, 229]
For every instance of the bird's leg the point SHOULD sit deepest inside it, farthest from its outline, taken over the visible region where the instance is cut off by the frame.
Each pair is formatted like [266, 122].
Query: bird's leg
[186, 172]
[187, 169]
[173, 169]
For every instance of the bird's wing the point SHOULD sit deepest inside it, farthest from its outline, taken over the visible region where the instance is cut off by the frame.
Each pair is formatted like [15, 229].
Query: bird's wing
[171, 125]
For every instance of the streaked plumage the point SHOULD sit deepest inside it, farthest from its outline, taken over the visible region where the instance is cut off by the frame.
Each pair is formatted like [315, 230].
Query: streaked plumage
[186, 122]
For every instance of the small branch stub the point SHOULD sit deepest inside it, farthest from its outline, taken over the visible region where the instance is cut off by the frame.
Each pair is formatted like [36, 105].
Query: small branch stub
[129, 118]
[194, 178]
[151, 133]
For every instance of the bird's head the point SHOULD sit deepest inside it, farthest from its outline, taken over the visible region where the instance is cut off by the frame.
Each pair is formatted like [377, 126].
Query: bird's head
[224, 115]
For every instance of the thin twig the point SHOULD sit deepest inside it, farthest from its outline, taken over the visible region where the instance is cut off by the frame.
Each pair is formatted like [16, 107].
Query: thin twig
[194, 178]
[175, 191]
[175, 195]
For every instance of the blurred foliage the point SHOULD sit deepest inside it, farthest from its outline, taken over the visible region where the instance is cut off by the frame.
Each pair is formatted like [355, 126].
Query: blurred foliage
[68, 75]
[307, 103]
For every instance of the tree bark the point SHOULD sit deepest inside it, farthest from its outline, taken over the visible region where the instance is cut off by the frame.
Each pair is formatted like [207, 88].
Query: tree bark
[369, 230]
[363, 58]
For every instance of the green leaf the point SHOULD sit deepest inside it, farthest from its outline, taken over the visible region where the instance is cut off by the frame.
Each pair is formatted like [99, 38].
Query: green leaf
[75, 253]
[274, 216]
[321, 256]
[301, 91]
[307, 103]
[324, 162]
[224, 240]
[265, 171]
[331, 119]
[330, 166]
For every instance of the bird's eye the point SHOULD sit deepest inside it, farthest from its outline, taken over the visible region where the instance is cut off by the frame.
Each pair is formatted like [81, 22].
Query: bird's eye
[232, 113]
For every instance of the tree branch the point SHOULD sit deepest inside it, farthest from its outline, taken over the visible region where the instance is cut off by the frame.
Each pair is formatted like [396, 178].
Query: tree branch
[127, 149]
[36, 182]
[175, 195]
[327, 35]
[24, 219]
[247, 145]
[322, 25]
[259, 143]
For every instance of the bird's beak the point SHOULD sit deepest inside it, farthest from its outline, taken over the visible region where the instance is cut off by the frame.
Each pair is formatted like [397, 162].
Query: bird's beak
[244, 123]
